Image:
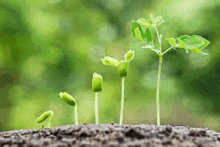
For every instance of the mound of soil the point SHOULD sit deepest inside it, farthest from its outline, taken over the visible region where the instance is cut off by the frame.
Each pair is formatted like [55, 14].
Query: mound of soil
[112, 135]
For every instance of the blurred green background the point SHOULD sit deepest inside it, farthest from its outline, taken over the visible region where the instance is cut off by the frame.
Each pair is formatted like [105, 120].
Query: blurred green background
[52, 46]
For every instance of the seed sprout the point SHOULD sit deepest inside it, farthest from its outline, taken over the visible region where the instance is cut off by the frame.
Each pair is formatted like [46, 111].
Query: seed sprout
[97, 84]
[122, 67]
[72, 102]
[46, 118]
[192, 43]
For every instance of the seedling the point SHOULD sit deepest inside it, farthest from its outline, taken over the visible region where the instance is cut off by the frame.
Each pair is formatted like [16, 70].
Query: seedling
[97, 83]
[192, 43]
[72, 102]
[122, 67]
[45, 117]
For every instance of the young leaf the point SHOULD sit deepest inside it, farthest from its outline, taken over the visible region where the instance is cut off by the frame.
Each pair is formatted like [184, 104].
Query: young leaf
[206, 42]
[137, 31]
[97, 82]
[129, 55]
[198, 51]
[171, 41]
[148, 35]
[110, 61]
[44, 116]
[67, 98]
[181, 43]
[144, 22]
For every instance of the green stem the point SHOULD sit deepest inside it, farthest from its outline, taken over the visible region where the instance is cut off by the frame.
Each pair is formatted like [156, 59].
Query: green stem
[168, 50]
[158, 88]
[159, 39]
[76, 114]
[122, 99]
[96, 108]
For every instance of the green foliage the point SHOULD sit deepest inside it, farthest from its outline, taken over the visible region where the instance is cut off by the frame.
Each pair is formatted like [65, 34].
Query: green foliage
[97, 82]
[67, 98]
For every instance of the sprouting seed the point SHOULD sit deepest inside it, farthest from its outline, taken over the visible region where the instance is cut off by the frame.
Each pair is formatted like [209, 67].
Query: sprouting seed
[72, 102]
[122, 67]
[46, 116]
[97, 84]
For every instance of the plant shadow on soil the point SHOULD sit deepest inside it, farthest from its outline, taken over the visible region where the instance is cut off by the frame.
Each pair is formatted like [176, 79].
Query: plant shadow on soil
[112, 135]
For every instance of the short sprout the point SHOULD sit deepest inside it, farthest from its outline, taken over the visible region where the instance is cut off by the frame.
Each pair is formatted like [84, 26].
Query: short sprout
[46, 115]
[67, 98]
[97, 82]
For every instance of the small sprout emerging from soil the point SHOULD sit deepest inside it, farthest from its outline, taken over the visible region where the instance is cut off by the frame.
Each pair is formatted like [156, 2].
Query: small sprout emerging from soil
[71, 101]
[45, 117]
[122, 67]
[192, 43]
[97, 84]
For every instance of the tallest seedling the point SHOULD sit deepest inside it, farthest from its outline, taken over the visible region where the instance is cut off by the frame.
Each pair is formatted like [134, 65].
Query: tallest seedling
[122, 71]
[192, 43]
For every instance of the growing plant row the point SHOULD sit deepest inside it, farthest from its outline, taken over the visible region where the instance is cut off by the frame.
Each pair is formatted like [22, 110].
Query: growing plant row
[141, 29]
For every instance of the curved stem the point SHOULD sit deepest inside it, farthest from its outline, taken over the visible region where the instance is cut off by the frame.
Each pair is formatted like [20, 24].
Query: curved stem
[96, 108]
[158, 87]
[76, 115]
[122, 99]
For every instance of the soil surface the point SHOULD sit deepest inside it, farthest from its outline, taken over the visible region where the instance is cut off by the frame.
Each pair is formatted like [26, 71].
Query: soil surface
[112, 135]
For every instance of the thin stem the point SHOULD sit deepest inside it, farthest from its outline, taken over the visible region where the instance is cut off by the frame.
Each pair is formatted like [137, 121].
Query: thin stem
[159, 39]
[122, 99]
[158, 87]
[96, 108]
[76, 114]
[168, 50]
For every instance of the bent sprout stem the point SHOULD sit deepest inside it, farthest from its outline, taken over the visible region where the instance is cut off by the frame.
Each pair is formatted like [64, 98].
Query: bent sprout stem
[76, 115]
[122, 99]
[96, 109]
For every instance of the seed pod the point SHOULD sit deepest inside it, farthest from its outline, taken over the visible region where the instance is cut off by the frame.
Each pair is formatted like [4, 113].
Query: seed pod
[123, 68]
[97, 82]
[67, 98]
[44, 116]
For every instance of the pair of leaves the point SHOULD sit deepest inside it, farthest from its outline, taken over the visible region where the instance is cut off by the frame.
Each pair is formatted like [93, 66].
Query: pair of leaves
[44, 116]
[152, 21]
[114, 62]
[138, 32]
[194, 43]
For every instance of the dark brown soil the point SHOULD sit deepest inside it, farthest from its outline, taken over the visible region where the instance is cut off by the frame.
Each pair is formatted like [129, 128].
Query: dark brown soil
[112, 135]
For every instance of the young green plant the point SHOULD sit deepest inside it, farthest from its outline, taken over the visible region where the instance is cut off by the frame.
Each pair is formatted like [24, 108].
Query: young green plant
[194, 43]
[97, 84]
[72, 102]
[122, 67]
[46, 118]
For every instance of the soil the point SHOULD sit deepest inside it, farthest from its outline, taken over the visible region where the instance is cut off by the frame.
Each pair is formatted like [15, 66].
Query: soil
[112, 135]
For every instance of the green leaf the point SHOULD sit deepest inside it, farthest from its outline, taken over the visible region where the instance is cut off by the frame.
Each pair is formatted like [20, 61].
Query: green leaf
[194, 43]
[206, 42]
[110, 61]
[44, 116]
[156, 20]
[181, 43]
[129, 55]
[148, 35]
[144, 22]
[171, 41]
[67, 98]
[198, 51]
[137, 31]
